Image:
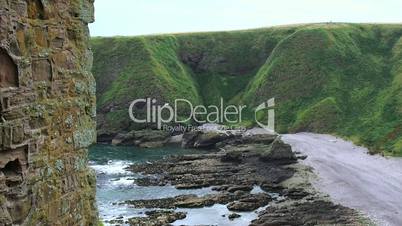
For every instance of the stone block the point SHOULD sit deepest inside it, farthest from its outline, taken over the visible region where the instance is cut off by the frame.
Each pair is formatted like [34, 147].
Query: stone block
[12, 135]
[18, 134]
[64, 60]
[6, 136]
[57, 37]
[41, 70]
[41, 38]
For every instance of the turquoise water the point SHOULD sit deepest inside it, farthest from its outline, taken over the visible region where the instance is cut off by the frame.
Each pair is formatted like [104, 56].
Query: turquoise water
[115, 184]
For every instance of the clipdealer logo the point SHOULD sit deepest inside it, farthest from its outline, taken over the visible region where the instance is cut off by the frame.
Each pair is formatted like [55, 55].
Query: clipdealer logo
[270, 124]
[162, 114]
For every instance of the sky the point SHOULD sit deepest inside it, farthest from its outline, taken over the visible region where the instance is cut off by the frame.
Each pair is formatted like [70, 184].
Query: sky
[144, 17]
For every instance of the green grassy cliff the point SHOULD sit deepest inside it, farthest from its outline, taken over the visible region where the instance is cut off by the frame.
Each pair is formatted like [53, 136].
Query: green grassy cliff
[344, 79]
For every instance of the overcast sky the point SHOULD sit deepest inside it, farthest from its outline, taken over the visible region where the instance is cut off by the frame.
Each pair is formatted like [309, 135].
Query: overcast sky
[140, 17]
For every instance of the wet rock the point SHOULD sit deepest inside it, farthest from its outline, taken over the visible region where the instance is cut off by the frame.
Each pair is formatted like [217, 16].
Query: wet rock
[240, 188]
[238, 201]
[197, 171]
[118, 139]
[152, 144]
[117, 221]
[165, 203]
[192, 186]
[233, 216]
[231, 180]
[271, 187]
[307, 213]
[296, 193]
[195, 202]
[220, 188]
[234, 188]
[250, 203]
[157, 218]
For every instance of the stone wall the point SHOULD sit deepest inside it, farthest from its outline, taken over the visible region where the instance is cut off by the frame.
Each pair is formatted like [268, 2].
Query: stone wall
[47, 113]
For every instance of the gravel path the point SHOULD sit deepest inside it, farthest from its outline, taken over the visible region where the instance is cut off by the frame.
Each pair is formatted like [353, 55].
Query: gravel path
[371, 184]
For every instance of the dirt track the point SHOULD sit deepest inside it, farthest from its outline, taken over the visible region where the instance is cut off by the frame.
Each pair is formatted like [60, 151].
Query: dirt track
[371, 184]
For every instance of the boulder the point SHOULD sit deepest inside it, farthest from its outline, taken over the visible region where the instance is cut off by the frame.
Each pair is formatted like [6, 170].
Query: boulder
[177, 139]
[189, 138]
[278, 150]
[198, 139]
[233, 216]
[118, 139]
[209, 139]
[250, 203]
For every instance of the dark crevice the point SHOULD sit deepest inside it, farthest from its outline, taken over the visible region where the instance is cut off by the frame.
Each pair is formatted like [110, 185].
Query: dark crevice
[8, 71]
[13, 173]
[36, 9]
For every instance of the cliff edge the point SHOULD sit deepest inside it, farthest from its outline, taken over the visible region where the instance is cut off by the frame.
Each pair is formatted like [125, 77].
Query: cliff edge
[47, 113]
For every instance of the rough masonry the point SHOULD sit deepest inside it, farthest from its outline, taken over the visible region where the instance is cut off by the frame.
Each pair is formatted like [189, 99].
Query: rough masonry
[47, 113]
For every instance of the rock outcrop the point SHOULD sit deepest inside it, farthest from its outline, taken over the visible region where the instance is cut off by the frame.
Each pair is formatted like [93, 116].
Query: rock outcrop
[278, 150]
[203, 139]
[246, 183]
[47, 113]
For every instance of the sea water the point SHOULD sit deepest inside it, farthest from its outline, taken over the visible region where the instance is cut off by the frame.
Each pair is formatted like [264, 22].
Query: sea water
[115, 185]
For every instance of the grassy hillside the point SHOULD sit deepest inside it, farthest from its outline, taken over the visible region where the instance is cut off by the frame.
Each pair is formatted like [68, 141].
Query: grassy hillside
[344, 79]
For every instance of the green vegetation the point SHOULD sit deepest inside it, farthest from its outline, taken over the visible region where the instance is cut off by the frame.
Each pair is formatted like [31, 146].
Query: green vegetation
[343, 79]
[322, 117]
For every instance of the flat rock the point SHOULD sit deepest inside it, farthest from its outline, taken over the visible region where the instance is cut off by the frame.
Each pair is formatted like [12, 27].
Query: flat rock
[233, 216]
[250, 203]
[317, 212]
[157, 218]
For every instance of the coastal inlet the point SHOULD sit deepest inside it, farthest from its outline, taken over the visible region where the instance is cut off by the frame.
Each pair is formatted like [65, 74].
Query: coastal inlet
[239, 179]
[116, 185]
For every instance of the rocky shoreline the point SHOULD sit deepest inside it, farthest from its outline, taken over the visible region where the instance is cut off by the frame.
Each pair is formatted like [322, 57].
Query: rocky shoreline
[247, 173]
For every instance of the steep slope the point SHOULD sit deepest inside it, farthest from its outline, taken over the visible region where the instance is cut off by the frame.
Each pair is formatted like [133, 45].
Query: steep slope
[131, 68]
[353, 65]
[343, 79]
[224, 62]
[169, 67]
